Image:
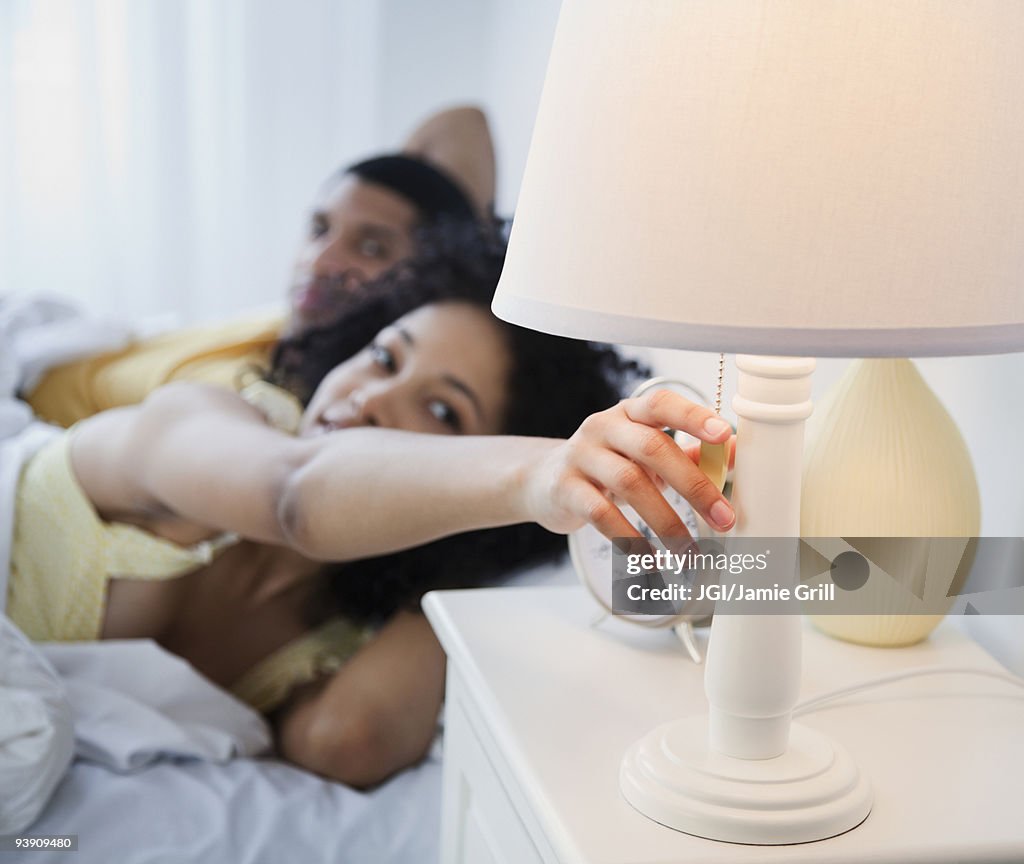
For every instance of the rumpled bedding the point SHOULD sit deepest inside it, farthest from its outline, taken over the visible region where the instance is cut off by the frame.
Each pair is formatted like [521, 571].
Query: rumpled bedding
[36, 737]
[168, 768]
[36, 730]
[134, 703]
[125, 704]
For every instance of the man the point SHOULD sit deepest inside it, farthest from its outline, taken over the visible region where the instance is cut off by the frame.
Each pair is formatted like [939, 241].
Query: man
[367, 218]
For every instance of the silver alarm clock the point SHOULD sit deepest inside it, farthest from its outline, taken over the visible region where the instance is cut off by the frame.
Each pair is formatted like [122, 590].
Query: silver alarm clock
[591, 551]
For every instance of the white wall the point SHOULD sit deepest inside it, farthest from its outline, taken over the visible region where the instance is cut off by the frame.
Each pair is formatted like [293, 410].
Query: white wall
[430, 55]
[521, 34]
[488, 52]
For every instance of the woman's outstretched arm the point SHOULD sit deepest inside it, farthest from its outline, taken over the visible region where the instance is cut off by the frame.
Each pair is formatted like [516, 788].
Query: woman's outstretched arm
[199, 456]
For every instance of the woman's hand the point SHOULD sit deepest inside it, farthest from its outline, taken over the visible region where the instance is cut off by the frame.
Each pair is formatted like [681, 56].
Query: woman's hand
[622, 454]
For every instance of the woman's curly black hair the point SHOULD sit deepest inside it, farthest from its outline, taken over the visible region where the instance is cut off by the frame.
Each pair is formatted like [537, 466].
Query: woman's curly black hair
[553, 385]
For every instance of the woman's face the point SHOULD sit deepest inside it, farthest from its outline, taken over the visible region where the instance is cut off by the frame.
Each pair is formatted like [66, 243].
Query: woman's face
[442, 368]
[359, 229]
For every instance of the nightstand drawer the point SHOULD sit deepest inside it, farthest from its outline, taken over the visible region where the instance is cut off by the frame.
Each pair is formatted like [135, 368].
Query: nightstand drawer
[480, 822]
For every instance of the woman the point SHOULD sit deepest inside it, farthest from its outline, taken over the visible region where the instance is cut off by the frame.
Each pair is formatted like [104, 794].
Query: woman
[189, 519]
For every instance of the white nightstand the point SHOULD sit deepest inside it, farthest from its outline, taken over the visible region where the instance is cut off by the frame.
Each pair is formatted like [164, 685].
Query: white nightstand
[541, 705]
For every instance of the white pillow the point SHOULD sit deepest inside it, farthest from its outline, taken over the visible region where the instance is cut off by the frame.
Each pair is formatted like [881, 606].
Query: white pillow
[36, 730]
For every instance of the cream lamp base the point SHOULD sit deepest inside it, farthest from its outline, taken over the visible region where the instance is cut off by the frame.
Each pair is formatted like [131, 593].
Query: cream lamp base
[812, 791]
[870, 470]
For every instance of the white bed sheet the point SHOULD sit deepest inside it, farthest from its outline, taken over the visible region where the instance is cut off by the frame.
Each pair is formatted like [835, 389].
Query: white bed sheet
[246, 811]
[170, 768]
[251, 810]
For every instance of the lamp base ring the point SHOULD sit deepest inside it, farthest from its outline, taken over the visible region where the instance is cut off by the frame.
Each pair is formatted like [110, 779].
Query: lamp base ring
[812, 791]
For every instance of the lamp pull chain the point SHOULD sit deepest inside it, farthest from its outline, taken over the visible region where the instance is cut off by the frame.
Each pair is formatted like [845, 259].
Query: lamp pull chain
[714, 459]
[718, 388]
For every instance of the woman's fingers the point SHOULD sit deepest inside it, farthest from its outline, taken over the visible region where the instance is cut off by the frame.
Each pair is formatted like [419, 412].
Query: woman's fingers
[663, 408]
[623, 452]
[631, 482]
[593, 506]
[654, 449]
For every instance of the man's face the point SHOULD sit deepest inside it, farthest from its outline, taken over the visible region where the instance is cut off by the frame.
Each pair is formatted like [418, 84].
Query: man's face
[358, 229]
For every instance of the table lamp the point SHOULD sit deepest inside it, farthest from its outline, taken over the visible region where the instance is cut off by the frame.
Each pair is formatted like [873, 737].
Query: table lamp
[781, 179]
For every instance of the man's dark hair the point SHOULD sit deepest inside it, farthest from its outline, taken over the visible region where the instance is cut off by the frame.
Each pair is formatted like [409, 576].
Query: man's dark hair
[433, 193]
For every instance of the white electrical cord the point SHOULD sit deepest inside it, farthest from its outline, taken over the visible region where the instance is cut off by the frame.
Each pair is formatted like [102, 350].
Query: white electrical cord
[809, 705]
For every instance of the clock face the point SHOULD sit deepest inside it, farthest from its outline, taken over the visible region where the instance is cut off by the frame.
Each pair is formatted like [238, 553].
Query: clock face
[591, 554]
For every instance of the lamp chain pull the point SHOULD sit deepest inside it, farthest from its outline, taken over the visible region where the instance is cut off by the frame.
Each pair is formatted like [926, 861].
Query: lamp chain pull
[718, 386]
[714, 458]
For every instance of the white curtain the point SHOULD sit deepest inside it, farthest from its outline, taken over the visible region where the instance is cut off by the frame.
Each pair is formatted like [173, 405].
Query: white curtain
[157, 156]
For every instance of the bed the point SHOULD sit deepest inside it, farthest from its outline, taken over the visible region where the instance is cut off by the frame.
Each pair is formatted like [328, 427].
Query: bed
[246, 811]
[158, 775]
[126, 746]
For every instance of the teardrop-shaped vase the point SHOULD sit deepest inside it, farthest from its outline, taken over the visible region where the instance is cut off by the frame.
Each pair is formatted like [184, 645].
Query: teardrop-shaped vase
[884, 459]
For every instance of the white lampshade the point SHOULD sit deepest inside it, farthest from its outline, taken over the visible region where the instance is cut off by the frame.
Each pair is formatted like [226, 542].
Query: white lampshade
[814, 177]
